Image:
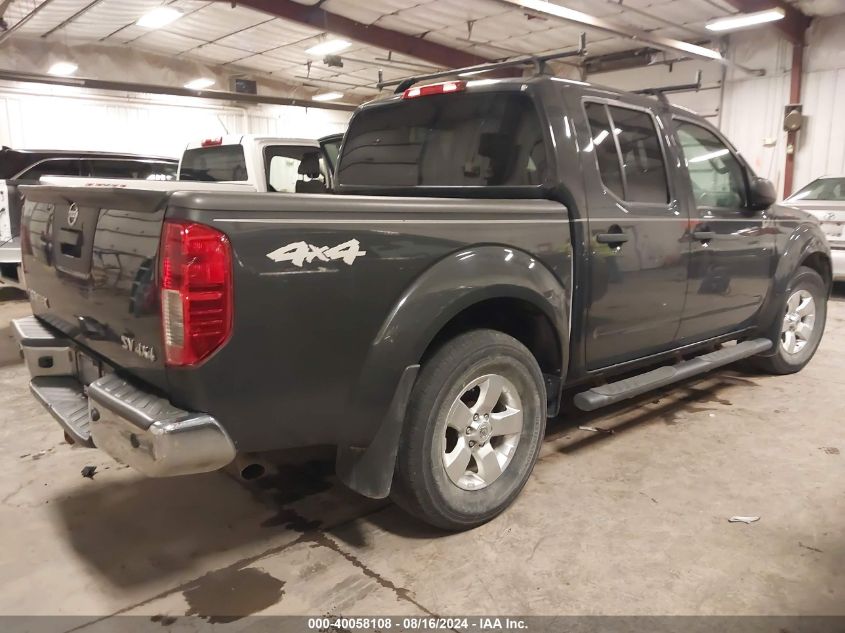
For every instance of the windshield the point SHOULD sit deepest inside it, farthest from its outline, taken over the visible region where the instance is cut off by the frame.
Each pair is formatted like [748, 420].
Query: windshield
[221, 163]
[485, 139]
[822, 189]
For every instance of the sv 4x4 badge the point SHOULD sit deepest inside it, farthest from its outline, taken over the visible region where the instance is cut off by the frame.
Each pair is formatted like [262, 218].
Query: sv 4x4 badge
[147, 352]
[299, 253]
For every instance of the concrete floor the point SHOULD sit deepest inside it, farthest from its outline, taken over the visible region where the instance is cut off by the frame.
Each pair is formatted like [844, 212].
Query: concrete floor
[629, 523]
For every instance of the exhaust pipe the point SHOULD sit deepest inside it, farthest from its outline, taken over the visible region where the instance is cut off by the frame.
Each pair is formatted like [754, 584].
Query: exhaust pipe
[248, 468]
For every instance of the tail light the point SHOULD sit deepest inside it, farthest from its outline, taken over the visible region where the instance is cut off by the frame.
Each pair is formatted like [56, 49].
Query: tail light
[196, 291]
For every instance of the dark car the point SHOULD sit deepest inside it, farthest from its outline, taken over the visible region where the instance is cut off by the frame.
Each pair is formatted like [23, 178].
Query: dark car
[27, 166]
[489, 244]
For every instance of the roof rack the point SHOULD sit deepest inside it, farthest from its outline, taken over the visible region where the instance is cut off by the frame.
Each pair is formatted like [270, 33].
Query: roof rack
[538, 61]
[661, 91]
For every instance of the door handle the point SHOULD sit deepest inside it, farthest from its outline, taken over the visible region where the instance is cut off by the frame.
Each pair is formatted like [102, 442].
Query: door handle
[611, 238]
[703, 236]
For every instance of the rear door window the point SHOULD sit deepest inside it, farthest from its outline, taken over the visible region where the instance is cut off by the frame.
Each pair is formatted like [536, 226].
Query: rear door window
[221, 163]
[602, 143]
[628, 153]
[485, 139]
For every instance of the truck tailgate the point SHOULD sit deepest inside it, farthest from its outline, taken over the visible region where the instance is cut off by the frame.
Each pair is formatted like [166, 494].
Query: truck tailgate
[89, 258]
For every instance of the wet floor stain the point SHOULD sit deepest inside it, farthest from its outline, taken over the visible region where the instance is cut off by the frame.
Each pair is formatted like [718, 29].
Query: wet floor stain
[321, 539]
[292, 483]
[229, 594]
[291, 520]
[164, 620]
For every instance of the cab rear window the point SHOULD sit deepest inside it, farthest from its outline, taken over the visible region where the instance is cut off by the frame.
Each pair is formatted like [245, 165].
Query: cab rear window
[485, 139]
[221, 163]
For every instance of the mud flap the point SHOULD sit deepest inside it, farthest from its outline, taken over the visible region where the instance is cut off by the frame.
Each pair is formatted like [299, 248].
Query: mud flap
[369, 470]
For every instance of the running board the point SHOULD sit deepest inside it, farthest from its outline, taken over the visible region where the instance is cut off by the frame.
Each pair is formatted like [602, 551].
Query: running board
[614, 392]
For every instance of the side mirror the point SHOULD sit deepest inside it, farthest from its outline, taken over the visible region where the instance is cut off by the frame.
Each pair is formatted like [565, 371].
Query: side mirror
[761, 194]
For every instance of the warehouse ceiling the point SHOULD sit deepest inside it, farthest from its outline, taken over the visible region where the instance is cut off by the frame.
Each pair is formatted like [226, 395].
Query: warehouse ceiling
[241, 39]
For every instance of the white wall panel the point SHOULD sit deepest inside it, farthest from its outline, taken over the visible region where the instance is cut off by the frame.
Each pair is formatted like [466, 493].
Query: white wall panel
[58, 117]
[754, 106]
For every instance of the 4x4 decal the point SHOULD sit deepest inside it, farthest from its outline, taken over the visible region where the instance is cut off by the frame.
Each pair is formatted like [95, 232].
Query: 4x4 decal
[299, 253]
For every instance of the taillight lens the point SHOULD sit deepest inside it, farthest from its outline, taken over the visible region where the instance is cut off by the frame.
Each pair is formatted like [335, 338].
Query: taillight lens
[196, 291]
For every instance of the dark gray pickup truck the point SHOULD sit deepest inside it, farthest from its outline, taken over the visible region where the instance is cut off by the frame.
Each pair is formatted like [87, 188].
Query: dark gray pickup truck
[490, 243]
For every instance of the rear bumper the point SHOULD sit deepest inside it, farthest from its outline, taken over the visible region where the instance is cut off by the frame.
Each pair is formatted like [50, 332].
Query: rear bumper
[132, 425]
[837, 257]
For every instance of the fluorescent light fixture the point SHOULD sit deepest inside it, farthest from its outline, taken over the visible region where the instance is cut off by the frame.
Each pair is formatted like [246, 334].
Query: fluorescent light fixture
[159, 17]
[745, 20]
[329, 47]
[556, 9]
[200, 84]
[327, 96]
[695, 49]
[63, 69]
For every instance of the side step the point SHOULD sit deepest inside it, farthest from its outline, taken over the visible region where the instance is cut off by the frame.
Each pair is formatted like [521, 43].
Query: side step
[614, 392]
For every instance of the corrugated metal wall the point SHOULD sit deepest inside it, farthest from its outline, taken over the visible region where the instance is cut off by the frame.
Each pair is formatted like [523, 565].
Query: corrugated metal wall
[753, 106]
[59, 117]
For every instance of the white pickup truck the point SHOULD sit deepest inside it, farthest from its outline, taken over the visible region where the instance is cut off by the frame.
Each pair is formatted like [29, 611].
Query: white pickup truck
[231, 163]
[281, 165]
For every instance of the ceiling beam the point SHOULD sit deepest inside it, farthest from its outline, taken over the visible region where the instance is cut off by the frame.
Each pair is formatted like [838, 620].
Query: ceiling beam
[794, 24]
[6, 34]
[368, 34]
[156, 89]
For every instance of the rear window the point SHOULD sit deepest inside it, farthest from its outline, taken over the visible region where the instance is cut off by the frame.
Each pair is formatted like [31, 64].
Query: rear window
[214, 164]
[465, 140]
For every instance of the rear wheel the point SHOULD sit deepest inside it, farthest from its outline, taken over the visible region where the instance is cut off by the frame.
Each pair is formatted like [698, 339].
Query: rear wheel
[474, 428]
[798, 329]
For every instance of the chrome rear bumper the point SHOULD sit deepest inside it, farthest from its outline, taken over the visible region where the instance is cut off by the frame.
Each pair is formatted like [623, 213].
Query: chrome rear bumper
[131, 424]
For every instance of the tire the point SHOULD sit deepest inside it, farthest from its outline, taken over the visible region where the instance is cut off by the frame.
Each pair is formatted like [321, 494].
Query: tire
[449, 393]
[805, 283]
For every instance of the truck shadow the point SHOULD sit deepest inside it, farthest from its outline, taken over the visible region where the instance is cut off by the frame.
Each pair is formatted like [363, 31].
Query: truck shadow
[139, 531]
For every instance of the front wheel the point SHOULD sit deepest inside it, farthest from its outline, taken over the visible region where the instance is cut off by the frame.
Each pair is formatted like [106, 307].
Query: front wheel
[798, 329]
[474, 428]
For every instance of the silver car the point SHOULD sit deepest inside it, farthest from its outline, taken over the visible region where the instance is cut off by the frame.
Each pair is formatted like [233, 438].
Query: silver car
[825, 199]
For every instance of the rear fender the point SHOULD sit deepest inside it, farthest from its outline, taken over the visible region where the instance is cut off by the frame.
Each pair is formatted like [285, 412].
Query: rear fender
[453, 284]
